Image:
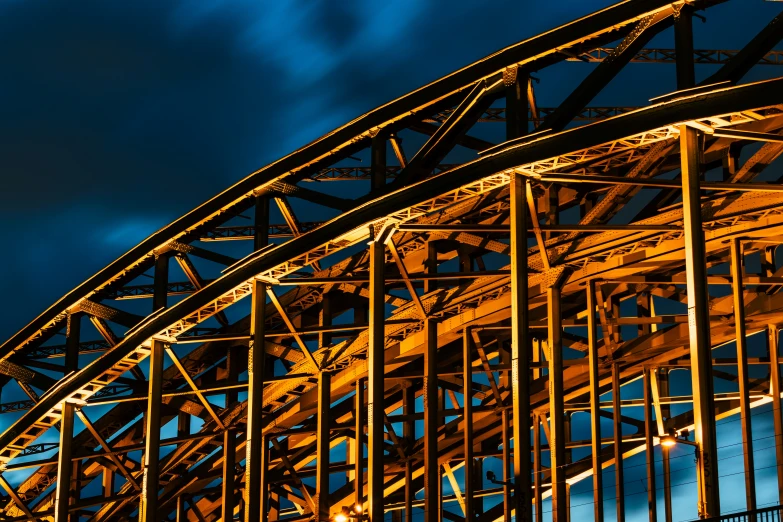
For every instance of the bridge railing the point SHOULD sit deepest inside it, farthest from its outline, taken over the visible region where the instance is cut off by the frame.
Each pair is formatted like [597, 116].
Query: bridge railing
[768, 514]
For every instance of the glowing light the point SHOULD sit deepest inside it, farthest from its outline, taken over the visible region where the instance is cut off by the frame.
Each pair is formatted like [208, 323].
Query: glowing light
[340, 518]
[668, 441]
[357, 508]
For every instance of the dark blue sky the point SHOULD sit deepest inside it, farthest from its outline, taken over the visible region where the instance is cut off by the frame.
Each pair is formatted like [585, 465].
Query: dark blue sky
[118, 117]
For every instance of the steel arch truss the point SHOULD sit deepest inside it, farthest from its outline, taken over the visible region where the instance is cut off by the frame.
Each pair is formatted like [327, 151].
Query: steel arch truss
[490, 290]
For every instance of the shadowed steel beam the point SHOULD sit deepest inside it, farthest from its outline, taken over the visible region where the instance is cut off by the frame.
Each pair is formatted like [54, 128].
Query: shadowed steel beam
[229, 443]
[609, 67]
[185, 375]
[254, 497]
[741, 63]
[358, 458]
[649, 434]
[322, 448]
[375, 386]
[537, 466]
[64, 464]
[409, 434]
[505, 440]
[378, 162]
[148, 509]
[467, 421]
[737, 264]
[666, 464]
[161, 281]
[777, 413]
[109, 453]
[699, 326]
[683, 45]
[430, 401]
[447, 135]
[531, 203]
[291, 327]
[516, 83]
[404, 273]
[556, 407]
[18, 501]
[595, 403]
[520, 347]
[617, 422]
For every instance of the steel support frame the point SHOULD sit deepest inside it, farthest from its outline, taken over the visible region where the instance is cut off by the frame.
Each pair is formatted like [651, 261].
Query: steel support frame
[699, 325]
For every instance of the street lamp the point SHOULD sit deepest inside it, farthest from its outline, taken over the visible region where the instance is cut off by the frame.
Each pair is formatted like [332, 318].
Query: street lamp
[350, 514]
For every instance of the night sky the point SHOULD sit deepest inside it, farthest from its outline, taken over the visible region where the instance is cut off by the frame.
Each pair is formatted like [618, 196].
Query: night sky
[118, 117]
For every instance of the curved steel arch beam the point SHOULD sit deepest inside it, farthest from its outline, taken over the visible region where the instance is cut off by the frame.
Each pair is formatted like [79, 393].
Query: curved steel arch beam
[660, 116]
[601, 24]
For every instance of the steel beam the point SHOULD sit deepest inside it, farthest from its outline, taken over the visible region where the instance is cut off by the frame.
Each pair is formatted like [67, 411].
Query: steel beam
[520, 347]
[161, 281]
[699, 325]
[467, 422]
[649, 439]
[254, 496]
[378, 162]
[322, 447]
[148, 509]
[619, 479]
[777, 413]
[666, 464]
[737, 264]
[537, 492]
[409, 434]
[683, 45]
[229, 444]
[595, 403]
[375, 386]
[556, 407]
[358, 457]
[505, 441]
[62, 497]
[515, 81]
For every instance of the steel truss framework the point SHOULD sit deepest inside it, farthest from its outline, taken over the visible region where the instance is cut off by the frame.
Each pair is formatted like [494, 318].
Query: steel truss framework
[454, 312]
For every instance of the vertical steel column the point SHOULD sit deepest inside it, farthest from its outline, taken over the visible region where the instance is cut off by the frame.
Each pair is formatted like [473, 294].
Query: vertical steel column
[378, 162]
[375, 384]
[595, 404]
[261, 235]
[699, 326]
[148, 509]
[358, 458]
[64, 464]
[683, 45]
[737, 263]
[183, 430]
[160, 282]
[556, 405]
[667, 475]
[229, 443]
[618, 443]
[777, 414]
[467, 421]
[254, 495]
[506, 442]
[520, 348]
[431, 467]
[649, 431]
[325, 338]
[72, 337]
[322, 447]
[537, 466]
[409, 434]
[516, 104]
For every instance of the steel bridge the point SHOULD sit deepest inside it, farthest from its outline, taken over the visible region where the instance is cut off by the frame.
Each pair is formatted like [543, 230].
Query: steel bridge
[446, 312]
